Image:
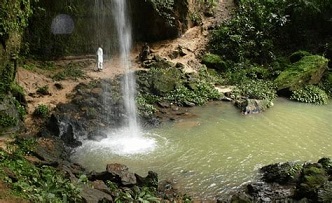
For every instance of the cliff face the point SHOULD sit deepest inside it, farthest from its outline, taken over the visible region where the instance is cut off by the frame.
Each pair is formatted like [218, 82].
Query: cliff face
[90, 24]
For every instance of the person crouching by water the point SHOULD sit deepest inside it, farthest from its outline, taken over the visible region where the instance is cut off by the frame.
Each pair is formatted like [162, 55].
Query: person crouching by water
[100, 59]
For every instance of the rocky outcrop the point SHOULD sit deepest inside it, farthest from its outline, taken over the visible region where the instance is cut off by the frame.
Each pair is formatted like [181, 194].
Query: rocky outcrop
[290, 182]
[87, 24]
[308, 70]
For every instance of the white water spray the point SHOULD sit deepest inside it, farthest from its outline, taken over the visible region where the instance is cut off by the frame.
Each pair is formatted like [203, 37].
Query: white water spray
[123, 26]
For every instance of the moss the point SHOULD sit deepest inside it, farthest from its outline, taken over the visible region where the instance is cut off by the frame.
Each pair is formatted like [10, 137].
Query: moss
[298, 55]
[308, 70]
[214, 61]
[312, 178]
[165, 80]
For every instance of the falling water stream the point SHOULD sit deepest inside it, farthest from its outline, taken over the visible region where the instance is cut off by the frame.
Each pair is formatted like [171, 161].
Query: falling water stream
[129, 138]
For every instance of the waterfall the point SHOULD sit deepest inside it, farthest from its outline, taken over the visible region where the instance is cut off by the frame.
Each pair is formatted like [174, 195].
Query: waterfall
[129, 139]
[124, 38]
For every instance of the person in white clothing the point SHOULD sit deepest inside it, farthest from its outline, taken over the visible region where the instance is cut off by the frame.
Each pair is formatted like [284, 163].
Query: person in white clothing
[100, 59]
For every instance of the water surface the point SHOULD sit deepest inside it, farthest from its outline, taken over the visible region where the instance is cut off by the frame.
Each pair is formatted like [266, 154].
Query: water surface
[220, 149]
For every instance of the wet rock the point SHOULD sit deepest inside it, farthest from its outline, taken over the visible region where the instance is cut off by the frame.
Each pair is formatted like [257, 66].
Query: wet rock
[121, 172]
[97, 135]
[264, 192]
[100, 185]
[151, 180]
[91, 195]
[252, 106]
[313, 177]
[282, 173]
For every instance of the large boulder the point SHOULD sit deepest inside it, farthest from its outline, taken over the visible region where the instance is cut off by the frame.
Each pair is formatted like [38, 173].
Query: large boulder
[308, 70]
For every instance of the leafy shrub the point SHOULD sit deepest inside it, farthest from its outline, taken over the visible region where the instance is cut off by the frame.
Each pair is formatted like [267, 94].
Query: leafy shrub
[249, 33]
[200, 95]
[256, 89]
[7, 120]
[20, 108]
[72, 72]
[145, 108]
[42, 184]
[43, 90]
[310, 94]
[260, 28]
[41, 111]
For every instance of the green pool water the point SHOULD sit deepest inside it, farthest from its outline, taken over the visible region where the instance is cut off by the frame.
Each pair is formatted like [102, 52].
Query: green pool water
[219, 149]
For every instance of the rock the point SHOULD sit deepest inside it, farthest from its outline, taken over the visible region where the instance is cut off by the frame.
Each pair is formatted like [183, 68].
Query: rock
[10, 121]
[251, 106]
[214, 61]
[97, 135]
[308, 70]
[100, 185]
[312, 178]
[151, 180]
[91, 195]
[263, 192]
[285, 173]
[121, 171]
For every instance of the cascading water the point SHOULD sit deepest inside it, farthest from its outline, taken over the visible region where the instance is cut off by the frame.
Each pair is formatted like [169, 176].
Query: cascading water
[123, 27]
[129, 139]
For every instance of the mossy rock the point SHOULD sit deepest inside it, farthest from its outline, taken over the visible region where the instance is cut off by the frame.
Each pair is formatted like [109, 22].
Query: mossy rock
[214, 61]
[312, 178]
[308, 70]
[298, 55]
[284, 173]
[325, 193]
[10, 121]
[163, 81]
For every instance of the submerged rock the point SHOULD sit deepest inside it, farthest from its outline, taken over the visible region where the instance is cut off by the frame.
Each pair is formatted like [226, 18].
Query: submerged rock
[252, 106]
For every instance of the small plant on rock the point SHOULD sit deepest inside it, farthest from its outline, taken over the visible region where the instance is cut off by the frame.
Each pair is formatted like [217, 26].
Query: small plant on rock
[310, 94]
[41, 111]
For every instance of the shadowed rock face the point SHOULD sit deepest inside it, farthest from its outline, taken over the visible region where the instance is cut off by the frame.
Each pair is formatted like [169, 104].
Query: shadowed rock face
[151, 24]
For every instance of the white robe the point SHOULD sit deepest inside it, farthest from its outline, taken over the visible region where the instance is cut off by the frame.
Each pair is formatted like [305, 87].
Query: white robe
[100, 59]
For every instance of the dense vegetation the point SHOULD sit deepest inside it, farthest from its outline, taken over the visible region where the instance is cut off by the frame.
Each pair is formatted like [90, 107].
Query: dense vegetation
[257, 42]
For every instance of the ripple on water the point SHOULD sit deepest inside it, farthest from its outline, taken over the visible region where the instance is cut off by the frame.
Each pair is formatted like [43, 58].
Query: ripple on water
[225, 150]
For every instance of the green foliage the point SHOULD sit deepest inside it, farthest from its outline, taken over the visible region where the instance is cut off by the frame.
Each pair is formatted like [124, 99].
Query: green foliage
[144, 105]
[256, 89]
[14, 16]
[260, 29]
[41, 111]
[325, 192]
[21, 109]
[200, 95]
[7, 120]
[72, 72]
[136, 194]
[249, 33]
[43, 90]
[42, 184]
[214, 61]
[310, 94]
[24, 146]
[164, 80]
